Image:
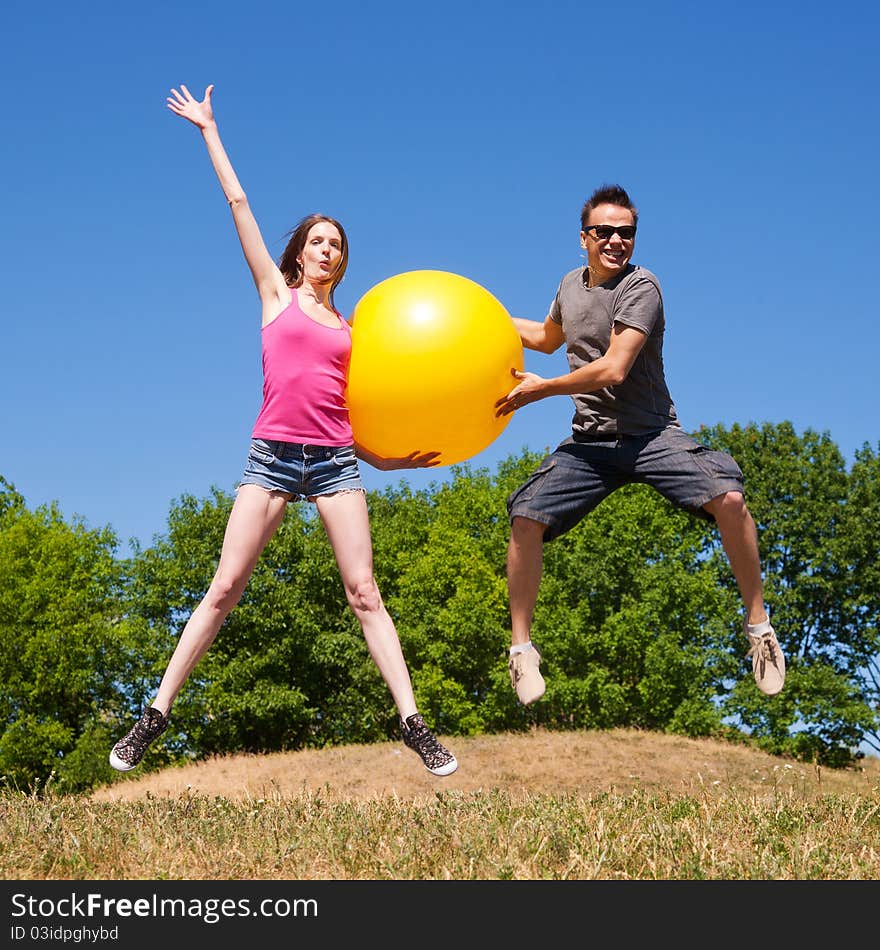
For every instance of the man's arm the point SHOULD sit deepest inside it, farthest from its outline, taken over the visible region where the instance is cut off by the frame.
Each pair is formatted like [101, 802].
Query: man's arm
[609, 370]
[544, 337]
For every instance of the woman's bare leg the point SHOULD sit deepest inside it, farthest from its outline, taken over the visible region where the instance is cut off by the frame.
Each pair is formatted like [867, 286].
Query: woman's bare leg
[254, 519]
[346, 521]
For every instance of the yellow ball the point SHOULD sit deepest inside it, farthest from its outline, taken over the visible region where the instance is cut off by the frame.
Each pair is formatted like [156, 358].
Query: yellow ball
[431, 354]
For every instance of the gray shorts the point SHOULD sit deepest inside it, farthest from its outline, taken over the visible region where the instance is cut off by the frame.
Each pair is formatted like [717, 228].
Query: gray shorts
[572, 480]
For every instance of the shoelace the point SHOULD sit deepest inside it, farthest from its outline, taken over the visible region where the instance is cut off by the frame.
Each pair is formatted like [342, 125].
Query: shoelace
[426, 741]
[517, 665]
[144, 731]
[763, 649]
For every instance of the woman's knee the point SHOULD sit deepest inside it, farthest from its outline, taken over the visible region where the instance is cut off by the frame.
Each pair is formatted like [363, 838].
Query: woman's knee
[225, 592]
[363, 595]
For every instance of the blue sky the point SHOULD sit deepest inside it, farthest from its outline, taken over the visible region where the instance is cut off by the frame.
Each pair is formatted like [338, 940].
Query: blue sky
[456, 136]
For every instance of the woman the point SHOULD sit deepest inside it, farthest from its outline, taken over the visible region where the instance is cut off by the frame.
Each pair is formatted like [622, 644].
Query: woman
[302, 447]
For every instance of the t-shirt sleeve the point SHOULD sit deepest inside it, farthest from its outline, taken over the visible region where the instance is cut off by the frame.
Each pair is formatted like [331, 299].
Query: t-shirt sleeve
[639, 306]
[555, 313]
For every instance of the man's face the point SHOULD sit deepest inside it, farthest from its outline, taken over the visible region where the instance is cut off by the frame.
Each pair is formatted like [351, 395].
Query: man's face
[608, 254]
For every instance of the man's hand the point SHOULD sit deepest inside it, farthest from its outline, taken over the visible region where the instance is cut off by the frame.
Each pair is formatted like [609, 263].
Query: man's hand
[530, 389]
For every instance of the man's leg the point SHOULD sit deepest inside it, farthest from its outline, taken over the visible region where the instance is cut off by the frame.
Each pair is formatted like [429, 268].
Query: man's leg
[565, 488]
[740, 540]
[709, 483]
[525, 555]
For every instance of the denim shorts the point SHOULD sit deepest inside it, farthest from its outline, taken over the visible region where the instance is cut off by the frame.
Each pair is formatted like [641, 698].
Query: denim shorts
[302, 471]
[572, 480]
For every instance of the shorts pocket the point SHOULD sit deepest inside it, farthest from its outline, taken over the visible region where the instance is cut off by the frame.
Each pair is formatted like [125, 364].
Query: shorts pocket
[344, 456]
[531, 485]
[261, 451]
[715, 464]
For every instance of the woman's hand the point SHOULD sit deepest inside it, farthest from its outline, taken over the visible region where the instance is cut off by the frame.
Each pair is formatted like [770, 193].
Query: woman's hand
[199, 113]
[417, 459]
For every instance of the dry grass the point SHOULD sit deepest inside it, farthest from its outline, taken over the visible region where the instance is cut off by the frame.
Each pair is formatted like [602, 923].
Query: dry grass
[582, 763]
[617, 805]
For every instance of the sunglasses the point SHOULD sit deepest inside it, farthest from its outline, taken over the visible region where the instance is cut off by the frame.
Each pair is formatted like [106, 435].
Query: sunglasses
[604, 231]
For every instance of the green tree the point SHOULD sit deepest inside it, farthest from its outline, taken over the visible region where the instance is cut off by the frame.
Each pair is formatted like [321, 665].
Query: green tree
[857, 566]
[64, 643]
[816, 543]
[639, 617]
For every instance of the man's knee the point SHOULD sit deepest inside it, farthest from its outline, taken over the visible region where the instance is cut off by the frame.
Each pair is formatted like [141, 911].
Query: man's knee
[730, 505]
[526, 530]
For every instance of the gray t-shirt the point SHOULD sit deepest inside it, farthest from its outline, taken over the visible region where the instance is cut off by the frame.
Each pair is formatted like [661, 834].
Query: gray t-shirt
[641, 403]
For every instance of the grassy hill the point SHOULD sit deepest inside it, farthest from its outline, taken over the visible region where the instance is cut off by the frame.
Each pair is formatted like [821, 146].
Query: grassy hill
[581, 763]
[616, 805]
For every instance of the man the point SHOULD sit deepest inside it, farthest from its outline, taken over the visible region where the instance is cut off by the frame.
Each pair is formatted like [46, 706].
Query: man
[625, 429]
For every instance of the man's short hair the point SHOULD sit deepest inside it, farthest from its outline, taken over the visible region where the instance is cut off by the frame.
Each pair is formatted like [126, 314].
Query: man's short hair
[608, 195]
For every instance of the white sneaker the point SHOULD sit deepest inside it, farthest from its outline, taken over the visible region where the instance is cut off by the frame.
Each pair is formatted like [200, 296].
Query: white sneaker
[525, 675]
[768, 660]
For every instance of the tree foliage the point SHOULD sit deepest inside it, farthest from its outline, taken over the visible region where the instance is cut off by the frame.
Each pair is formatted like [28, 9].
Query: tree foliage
[638, 619]
[819, 552]
[64, 642]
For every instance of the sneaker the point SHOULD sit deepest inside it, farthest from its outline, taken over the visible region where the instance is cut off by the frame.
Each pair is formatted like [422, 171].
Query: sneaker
[768, 660]
[418, 737]
[126, 754]
[525, 676]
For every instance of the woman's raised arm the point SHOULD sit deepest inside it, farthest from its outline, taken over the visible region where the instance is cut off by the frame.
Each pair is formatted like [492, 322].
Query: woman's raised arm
[269, 281]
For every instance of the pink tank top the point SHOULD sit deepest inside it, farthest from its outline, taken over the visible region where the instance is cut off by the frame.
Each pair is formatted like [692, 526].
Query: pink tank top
[304, 376]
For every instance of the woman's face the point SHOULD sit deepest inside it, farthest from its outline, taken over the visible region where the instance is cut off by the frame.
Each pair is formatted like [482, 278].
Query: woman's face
[322, 253]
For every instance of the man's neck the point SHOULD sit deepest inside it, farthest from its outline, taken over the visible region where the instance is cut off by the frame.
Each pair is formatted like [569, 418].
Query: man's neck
[596, 277]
